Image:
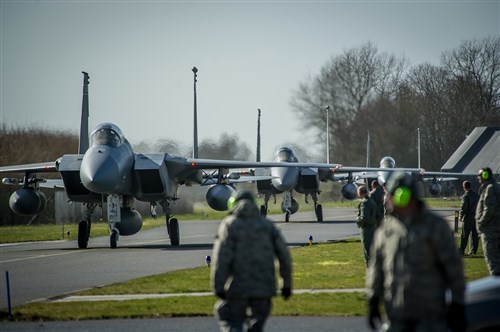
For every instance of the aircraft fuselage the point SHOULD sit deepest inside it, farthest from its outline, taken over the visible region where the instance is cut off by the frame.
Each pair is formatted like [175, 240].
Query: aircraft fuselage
[107, 165]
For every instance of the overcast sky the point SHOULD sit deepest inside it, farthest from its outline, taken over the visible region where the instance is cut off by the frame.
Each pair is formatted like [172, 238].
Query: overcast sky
[250, 55]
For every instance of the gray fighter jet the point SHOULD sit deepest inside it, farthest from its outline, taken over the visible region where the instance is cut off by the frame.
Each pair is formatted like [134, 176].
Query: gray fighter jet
[107, 171]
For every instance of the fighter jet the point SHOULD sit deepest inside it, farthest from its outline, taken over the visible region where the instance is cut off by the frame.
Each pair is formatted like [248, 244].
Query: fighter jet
[434, 179]
[302, 179]
[107, 171]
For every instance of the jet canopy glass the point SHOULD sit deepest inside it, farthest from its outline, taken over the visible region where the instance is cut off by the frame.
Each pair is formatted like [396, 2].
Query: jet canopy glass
[285, 154]
[107, 134]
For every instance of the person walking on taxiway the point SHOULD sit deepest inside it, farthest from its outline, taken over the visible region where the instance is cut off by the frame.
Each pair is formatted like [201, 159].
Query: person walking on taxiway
[414, 261]
[366, 220]
[243, 266]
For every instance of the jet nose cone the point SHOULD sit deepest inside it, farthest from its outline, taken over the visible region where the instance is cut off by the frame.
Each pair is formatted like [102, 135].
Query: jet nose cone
[99, 173]
[286, 178]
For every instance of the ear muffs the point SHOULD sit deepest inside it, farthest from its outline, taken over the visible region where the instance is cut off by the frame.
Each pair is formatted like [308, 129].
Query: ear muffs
[401, 197]
[231, 202]
[485, 175]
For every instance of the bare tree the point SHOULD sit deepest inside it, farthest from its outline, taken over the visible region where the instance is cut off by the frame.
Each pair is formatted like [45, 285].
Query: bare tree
[475, 64]
[228, 147]
[347, 83]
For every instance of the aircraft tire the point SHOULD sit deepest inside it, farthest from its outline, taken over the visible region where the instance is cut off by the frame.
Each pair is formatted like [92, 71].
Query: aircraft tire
[174, 232]
[113, 239]
[83, 234]
[287, 216]
[263, 210]
[319, 212]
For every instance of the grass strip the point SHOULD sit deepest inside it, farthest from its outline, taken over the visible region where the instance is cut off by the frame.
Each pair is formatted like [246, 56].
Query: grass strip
[323, 266]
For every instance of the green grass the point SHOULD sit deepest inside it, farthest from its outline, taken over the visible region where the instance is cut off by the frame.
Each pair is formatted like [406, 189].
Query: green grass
[51, 232]
[322, 266]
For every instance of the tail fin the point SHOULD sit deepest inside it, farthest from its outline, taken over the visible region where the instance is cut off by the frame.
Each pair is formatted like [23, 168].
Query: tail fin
[84, 122]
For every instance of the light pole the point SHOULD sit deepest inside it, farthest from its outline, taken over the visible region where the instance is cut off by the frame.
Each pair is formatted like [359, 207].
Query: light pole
[258, 134]
[195, 118]
[418, 147]
[327, 135]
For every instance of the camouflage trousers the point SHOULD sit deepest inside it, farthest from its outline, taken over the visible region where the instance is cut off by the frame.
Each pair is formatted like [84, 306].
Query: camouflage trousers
[491, 248]
[367, 239]
[469, 229]
[233, 313]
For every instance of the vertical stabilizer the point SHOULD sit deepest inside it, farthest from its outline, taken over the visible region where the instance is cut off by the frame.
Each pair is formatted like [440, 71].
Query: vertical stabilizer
[84, 122]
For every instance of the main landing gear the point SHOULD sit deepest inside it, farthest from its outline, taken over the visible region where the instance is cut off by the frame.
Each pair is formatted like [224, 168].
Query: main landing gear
[172, 224]
[318, 209]
[84, 227]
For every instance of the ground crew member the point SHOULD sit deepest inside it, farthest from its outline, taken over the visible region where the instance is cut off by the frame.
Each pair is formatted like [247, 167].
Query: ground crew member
[488, 219]
[366, 220]
[243, 274]
[468, 218]
[377, 194]
[414, 261]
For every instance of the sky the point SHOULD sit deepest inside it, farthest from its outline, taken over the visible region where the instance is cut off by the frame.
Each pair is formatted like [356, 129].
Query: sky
[249, 55]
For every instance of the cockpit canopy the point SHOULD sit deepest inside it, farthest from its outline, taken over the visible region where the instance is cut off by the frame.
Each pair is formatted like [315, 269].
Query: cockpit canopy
[285, 154]
[387, 162]
[107, 134]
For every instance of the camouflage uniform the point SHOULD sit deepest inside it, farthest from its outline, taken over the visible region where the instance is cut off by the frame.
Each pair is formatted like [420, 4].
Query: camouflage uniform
[378, 196]
[413, 263]
[488, 223]
[467, 216]
[243, 272]
[367, 223]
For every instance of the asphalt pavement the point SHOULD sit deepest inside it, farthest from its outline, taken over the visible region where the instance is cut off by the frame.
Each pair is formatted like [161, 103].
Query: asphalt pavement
[191, 324]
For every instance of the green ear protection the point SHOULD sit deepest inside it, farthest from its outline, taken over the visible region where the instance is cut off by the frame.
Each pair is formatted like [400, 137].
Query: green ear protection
[401, 197]
[231, 202]
[485, 175]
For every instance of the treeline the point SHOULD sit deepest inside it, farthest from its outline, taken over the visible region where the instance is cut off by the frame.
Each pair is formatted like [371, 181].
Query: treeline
[375, 92]
[25, 146]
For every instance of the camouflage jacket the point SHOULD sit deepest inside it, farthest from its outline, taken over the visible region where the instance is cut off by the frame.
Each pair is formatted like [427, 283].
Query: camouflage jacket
[413, 264]
[367, 213]
[488, 208]
[244, 255]
[378, 196]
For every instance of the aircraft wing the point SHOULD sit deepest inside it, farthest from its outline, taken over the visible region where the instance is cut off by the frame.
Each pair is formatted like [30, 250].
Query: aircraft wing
[231, 164]
[32, 168]
[446, 174]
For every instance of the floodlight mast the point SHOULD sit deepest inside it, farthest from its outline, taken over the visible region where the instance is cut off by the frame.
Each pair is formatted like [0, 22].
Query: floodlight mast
[327, 135]
[195, 118]
[258, 135]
